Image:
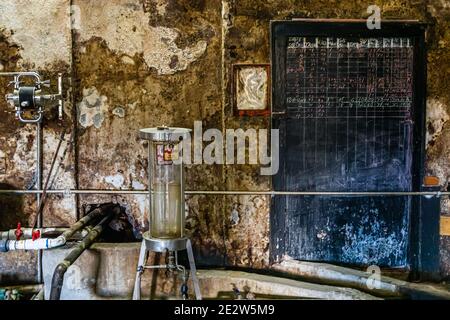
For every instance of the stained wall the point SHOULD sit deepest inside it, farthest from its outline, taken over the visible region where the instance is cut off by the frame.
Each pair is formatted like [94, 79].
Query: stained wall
[130, 64]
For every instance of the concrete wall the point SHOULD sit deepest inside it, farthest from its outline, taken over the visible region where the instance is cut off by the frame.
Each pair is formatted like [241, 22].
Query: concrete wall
[131, 64]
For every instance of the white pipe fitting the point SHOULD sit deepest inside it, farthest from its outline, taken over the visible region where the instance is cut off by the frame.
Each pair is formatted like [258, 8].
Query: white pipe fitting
[27, 233]
[38, 244]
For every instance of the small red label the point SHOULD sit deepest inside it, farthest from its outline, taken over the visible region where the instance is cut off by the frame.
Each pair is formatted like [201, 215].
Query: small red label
[165, 154]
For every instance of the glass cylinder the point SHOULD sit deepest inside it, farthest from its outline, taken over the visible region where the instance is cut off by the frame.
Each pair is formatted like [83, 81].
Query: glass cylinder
[167, 207]
[166, 181]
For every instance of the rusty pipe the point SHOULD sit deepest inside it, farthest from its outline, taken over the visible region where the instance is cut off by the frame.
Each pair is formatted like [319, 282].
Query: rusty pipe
[46, 243]
[61, 268]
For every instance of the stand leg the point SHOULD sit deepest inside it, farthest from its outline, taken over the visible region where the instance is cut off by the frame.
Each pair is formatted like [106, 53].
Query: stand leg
[139, 272]
[190, 254]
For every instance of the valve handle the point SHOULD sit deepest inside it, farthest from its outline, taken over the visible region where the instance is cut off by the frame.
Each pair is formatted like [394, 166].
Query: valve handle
[36, 234]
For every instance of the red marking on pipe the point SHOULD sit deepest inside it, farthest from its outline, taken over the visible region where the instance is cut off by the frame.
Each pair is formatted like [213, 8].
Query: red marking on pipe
[18, 233]
[36, 234]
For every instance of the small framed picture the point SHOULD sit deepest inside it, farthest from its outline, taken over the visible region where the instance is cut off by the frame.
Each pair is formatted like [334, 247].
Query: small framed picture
[251, 88]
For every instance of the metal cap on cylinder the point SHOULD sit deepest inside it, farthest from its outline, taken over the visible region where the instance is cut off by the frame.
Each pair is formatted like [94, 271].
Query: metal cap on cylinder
[164, 134]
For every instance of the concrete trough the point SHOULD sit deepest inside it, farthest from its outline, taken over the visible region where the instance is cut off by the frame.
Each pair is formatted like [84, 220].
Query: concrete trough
[107, 271]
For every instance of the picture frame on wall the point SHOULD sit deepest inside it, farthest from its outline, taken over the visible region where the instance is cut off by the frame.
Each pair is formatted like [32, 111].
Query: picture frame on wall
[251, 89]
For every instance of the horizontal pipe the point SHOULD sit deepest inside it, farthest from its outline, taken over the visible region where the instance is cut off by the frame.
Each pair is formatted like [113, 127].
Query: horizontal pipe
[46, 243]
[38, 244]
[239, 192]
[28, 232]
[25, 288]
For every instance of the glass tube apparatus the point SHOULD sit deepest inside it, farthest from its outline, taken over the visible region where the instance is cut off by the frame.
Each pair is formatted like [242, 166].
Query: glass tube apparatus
[166, 181]
[166, 233]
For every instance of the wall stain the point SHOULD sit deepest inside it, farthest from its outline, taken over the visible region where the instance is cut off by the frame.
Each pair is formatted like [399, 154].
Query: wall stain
[170, 62]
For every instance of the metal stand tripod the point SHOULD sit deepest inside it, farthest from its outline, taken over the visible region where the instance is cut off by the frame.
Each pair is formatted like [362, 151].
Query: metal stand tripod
[172, 246]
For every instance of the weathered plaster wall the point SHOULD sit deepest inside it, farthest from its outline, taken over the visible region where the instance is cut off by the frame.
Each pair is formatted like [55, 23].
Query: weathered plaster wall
[34, 35]
[160, 64]
[141, 63]
[438, 107]
[246, 29]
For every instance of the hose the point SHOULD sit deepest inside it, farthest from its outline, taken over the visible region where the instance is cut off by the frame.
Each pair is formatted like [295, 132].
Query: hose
[60, 270]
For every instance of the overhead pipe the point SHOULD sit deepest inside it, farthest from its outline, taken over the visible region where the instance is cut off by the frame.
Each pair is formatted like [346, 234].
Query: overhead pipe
[46, 243]
[61, 268]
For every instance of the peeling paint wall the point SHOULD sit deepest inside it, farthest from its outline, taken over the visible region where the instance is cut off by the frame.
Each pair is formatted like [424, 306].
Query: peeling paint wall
[40, 28]
[160, 64]
[34, 35]
[132, 35]
[132, 64]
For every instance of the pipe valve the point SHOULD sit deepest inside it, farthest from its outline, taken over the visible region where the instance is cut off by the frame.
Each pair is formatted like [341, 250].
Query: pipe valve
[29, 99]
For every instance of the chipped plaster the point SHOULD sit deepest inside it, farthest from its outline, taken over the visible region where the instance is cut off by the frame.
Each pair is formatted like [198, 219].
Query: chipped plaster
[92, 108]
[437, 116]
[132, 35]
[124, 28]
[43, 33]
[116, 180]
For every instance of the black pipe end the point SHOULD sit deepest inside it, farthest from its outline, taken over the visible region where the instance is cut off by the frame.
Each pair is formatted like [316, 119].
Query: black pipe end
[58, 281]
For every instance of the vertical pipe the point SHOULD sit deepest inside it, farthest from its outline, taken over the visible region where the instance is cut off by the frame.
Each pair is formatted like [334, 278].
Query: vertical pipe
[182, 199]
[150, 179]
[61, 268]
[75, 88]
[39, 159]
[60, 101]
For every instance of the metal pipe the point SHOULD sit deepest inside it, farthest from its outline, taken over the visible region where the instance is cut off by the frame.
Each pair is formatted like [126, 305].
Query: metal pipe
[150, 184]
[237, 192]
[60, 100]
[98, 212]
[25, 288]
[18, 291]
[46, 243]
[60, 270]
[28, 232]
[44, 193]
[38, 195]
